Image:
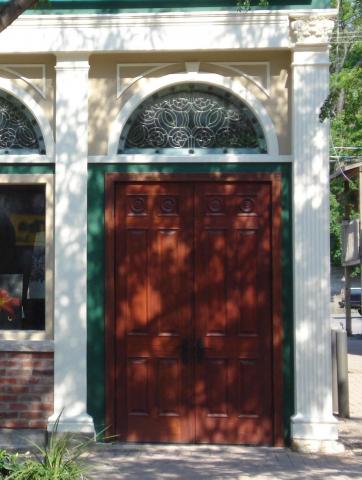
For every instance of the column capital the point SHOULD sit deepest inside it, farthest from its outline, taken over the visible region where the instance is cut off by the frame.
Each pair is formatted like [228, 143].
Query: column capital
[72, 61]
[311, 29]
[312, 56]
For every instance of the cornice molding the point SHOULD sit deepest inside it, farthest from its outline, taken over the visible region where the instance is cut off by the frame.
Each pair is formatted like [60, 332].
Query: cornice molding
[170, 18]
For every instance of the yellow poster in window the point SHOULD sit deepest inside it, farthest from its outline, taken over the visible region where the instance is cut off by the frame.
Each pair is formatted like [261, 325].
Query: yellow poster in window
[29, 229]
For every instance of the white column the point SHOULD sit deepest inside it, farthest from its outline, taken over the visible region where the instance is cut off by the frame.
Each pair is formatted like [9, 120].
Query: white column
[314, 427]
[70, 276]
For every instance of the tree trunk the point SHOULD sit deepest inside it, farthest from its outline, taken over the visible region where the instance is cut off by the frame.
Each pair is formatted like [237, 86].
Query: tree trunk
[11, 10]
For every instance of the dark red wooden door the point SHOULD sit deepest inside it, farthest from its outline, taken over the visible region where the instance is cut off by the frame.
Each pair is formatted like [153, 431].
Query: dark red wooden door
[193, 308]
[154, 308]
[154, 291]
[233, 313]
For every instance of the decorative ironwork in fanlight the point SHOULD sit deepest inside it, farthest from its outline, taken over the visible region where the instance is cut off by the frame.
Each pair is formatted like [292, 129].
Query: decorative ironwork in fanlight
[193, 118]
[19, 131]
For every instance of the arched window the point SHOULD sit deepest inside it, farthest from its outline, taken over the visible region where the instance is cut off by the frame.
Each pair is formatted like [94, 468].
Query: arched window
[192, 118]
[19, 131]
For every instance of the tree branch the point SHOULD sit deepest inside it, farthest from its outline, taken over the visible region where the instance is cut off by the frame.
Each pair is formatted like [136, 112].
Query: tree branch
[11, 11]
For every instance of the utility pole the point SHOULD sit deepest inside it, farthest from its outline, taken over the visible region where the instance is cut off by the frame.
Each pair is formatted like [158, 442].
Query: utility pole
[347, 269]
[360, 223]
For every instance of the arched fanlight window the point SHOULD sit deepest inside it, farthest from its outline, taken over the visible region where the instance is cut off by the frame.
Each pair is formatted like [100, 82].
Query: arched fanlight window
[19, 131]
[192, 118]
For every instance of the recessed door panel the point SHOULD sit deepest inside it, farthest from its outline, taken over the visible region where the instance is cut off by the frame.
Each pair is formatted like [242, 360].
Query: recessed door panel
[214, 250]
[136, 281]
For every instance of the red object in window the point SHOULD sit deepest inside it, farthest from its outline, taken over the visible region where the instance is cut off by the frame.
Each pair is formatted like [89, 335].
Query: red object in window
[8, 303]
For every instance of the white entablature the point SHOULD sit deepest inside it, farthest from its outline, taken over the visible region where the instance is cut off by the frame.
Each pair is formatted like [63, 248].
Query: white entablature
[149, 32]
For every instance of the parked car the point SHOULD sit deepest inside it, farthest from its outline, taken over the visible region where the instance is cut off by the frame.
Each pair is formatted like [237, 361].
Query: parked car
[355, 299]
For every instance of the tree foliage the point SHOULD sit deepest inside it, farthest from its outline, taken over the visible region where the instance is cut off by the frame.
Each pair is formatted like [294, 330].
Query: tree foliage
[245, 5]
[344, 103]
[344, 108]
[339, 201]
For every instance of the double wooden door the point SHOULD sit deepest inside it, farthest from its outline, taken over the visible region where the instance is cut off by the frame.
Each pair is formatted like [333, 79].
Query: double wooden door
[194, 315]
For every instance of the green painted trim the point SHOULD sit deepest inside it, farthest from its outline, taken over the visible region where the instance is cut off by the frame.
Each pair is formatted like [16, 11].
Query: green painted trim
[96, 275]
[104, 6]
[26, 168]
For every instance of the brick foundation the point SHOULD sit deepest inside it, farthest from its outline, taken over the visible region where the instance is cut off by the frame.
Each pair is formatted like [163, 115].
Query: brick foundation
[26, 389]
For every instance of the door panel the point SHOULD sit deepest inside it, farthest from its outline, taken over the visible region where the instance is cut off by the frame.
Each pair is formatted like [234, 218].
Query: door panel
[232, 312]
[193, 311]
[154, 286]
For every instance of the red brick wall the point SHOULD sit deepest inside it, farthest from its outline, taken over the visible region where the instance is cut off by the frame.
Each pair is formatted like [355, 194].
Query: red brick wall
[26, 389]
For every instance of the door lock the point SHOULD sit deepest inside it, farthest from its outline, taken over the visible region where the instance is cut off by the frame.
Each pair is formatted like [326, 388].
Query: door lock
[185, 351]
[200, 350]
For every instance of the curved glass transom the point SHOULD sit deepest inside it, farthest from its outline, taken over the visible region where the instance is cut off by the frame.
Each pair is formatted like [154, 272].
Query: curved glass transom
[19, 131]
[194, 118]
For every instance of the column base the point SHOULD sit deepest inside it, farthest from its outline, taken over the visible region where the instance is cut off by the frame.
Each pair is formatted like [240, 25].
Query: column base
[315, 435]
[317, 446]
[79, 424]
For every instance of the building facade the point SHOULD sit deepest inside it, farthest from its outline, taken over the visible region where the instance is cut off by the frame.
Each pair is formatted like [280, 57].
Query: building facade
[164, 219]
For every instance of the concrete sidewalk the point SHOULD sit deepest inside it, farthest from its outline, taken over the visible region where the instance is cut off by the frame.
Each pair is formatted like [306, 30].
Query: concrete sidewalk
[151, 462]
[350, 430]
[197, 462]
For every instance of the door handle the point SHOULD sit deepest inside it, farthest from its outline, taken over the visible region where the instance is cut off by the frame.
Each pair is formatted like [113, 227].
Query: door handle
[185, 351]
[200, 350]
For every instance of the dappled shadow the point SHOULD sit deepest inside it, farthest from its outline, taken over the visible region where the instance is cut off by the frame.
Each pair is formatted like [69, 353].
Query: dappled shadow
[70, 243]
[193, 339]
[70, 294]
[350, 434]
[152, 34]
[198, 463]
[132, 82]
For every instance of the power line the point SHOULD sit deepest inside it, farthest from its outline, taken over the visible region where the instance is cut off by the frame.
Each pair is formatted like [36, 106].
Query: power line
[347, 148]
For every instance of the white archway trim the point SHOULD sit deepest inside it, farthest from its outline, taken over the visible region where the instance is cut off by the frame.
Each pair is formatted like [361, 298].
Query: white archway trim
[38, 113]
[12, 69]
[237, 67]
[228, 84]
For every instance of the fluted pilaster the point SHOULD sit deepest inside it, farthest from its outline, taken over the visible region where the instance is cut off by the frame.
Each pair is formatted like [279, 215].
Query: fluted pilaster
[313, 425]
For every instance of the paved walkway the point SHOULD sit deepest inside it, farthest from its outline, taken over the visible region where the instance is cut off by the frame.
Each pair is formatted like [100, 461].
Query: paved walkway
[154, 462]
[350, 430]
[220, 463]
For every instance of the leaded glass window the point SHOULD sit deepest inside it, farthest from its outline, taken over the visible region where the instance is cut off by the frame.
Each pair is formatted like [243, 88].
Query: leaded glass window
[192, 118]
[19, 131]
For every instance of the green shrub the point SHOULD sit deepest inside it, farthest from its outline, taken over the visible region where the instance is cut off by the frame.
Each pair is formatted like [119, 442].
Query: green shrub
[8, 464]
[58, 460]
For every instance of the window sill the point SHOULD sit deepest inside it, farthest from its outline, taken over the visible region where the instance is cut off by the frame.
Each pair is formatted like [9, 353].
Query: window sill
[26, 345]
